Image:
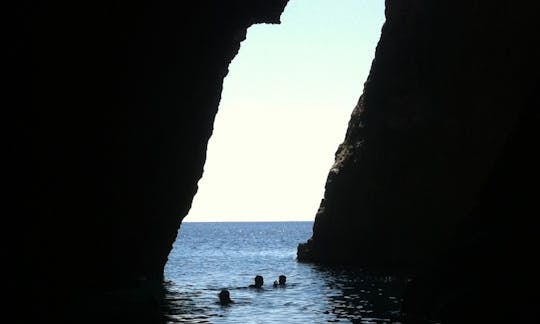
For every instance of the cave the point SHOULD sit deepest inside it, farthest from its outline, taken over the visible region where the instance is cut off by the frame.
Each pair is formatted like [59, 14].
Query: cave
[109, 108]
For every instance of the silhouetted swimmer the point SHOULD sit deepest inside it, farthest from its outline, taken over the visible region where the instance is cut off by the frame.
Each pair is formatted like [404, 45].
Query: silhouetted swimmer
[258, 282]
[225, 297]
[281, 282]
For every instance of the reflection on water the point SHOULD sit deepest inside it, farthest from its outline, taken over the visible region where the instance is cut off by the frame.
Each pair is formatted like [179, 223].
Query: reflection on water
[331, 295]
[362, 298]
[324, 295]
[211, 256]
[327, 295]
[179, 307]
[146, 303]
[198, 305]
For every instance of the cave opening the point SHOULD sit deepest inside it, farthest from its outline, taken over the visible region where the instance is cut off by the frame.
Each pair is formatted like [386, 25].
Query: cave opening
[285, 106]
[284, 110]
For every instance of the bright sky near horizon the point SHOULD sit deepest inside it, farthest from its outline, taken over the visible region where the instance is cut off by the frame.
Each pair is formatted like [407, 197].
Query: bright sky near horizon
[284, 110]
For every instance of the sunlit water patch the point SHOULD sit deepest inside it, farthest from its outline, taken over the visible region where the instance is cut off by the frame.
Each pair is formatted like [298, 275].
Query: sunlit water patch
[208, 257]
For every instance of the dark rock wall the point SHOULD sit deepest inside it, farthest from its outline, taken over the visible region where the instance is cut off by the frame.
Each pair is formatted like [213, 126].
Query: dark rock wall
[109, 105]
[447, 87]
[438, 171]
[109, 108]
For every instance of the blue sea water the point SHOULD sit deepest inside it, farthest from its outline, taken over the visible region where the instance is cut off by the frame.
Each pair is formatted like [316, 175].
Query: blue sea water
[208, 257]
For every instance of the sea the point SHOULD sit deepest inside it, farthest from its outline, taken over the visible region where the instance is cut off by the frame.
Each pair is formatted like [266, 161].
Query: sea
[209, 257]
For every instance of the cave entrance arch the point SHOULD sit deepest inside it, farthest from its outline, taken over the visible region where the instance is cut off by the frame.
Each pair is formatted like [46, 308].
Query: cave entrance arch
[285, 107]
[284, 110]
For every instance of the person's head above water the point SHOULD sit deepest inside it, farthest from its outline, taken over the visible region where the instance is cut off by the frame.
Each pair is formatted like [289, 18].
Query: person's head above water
[258, 282]
[281, 282]
[224, 297]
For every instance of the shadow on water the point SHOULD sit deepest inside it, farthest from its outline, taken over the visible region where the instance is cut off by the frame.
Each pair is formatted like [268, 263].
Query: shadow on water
[316, 294]
[334, 295]
[147, 303]
[360, 297]
[180, 307]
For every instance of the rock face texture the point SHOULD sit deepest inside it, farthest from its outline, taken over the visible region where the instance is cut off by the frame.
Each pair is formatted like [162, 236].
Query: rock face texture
[109, 108]
[437, 169]
[448, 90]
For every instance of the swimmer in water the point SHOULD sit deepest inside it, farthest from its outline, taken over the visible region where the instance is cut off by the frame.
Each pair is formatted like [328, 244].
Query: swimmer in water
[225, 297]
[281, 282]
[258, 282]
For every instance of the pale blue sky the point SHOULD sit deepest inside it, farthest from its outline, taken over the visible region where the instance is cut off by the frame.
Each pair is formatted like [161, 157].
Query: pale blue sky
[284, 110]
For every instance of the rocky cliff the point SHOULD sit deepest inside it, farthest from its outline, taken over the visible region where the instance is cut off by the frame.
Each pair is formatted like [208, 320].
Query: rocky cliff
[109, 109]
[109, 105]
[437, 169]
[448, 87]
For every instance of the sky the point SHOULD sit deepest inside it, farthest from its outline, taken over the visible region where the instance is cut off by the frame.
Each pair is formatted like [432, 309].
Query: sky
[284, 110]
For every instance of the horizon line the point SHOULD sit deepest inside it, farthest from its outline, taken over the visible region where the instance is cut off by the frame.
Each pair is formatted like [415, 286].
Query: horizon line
[244, 221]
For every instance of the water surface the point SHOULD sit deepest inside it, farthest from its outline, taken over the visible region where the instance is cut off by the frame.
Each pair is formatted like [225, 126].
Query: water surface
[208, 257]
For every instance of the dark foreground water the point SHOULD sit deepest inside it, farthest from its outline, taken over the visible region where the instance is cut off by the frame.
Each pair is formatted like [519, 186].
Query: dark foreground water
[210, 256]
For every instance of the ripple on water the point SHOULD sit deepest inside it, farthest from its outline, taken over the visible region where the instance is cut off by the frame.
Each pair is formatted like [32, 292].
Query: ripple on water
[210, 257]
